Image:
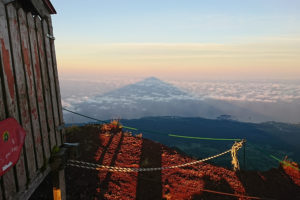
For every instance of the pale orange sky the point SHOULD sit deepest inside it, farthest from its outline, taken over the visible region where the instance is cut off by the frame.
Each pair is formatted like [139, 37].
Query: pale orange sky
[276, 57]
[178, 39]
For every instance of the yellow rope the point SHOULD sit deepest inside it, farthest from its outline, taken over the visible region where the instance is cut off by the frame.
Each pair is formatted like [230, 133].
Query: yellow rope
[93, 166]
[235, 147]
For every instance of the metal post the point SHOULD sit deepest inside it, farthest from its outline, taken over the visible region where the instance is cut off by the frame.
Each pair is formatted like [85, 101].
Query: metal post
[58, 162]
[58, 174]
[59, 185]
[245, 155]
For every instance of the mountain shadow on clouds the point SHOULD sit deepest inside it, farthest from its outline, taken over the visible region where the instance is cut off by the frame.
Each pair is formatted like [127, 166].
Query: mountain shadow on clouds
[150, 97]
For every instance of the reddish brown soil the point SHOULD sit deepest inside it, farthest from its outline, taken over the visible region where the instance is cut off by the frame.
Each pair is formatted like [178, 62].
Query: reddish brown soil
[291, 170]
[112, 147]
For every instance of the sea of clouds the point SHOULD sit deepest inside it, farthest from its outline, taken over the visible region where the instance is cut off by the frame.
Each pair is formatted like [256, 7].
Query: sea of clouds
[277, 100]
[270, 91]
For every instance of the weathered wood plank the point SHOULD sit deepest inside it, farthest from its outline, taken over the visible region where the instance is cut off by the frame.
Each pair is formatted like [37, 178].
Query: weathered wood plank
[27, 64]
[6, 65]
[55, 69]
[2, 108]
[52, 81]
[38, 85]
[2, 116]
[22, 92]
[8, 80]
[45, 83]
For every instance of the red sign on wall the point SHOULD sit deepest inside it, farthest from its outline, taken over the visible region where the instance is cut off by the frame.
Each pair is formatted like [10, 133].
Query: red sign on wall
[12, 137]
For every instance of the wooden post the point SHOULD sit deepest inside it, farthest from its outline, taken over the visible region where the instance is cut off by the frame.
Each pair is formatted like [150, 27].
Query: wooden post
[59, 185]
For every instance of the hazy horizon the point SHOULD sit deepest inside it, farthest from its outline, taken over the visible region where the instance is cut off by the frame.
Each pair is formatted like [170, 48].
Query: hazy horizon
[179, 40]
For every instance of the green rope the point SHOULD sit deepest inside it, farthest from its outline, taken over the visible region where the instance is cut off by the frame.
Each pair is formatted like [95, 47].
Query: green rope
[130, 128]
[203, 138]
[284, 162]
[155, 132]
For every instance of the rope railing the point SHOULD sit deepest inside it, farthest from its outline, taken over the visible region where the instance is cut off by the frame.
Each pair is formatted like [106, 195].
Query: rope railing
[98, 167]
[233, 150]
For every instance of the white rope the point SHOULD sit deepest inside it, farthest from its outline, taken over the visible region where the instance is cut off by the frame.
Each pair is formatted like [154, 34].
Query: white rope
[87, 165]
[93, 166]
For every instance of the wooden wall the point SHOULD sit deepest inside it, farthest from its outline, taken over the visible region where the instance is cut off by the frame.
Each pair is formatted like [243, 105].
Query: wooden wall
[29, 92]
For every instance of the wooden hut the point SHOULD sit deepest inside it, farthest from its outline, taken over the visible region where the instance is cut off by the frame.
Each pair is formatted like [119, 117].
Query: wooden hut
[29, 91]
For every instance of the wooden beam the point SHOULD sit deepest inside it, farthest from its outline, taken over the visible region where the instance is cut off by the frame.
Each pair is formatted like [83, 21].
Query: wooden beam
[38, 85]
[51, 78]
[56, 80]
[45, 82]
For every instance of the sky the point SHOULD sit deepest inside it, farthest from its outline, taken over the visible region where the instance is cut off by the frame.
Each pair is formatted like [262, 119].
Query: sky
[179, 39]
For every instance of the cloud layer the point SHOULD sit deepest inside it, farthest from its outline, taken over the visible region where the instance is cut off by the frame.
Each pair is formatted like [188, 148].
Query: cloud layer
[252, 91]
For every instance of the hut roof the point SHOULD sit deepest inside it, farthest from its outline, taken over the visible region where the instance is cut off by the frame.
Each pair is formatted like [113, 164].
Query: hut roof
[39, 7]
[50, 6]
